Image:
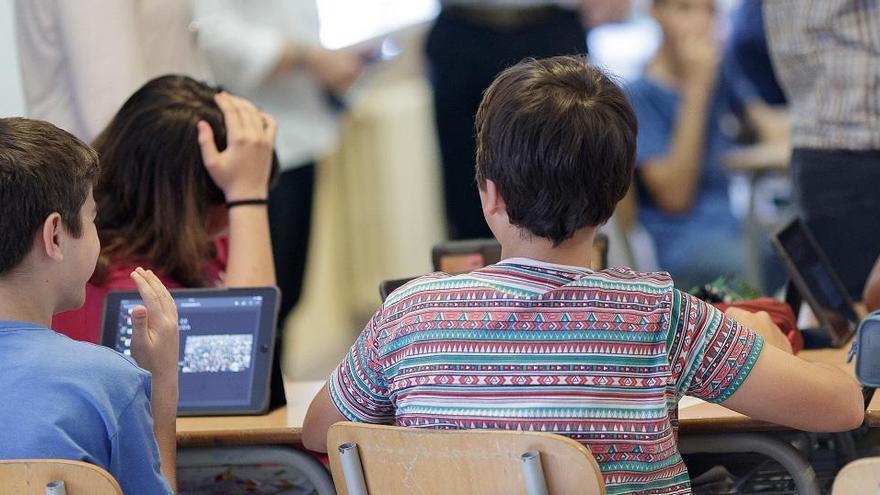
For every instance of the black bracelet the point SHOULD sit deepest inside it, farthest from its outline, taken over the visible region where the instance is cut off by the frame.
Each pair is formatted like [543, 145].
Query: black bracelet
[246, 202]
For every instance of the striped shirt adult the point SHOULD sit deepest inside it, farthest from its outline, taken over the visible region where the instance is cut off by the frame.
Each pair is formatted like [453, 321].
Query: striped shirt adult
[601, 357]
[826, 54]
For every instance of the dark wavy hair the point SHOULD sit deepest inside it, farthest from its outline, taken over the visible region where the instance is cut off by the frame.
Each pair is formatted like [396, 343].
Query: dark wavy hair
[558, 138]
[154, 193]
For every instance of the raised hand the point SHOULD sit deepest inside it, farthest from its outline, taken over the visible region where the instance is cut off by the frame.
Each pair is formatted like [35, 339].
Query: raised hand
[154, 335]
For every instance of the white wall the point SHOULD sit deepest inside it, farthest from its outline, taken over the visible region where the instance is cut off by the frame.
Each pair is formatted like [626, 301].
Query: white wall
[11, 99]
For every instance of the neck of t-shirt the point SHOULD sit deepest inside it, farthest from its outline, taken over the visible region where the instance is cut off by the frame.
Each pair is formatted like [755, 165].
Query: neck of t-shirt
[6, 325]
[522, 260]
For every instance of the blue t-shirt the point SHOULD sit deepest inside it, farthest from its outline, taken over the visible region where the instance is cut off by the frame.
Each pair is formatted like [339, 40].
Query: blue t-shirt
[64, 399]
[657, 107]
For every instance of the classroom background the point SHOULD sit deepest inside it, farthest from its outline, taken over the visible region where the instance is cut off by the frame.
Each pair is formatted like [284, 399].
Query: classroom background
[388, 156]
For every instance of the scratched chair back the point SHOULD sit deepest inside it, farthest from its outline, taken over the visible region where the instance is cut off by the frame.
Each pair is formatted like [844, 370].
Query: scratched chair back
[411, 461]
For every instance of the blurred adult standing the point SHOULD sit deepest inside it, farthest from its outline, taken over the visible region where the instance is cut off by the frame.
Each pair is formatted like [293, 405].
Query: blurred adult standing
[827, 56]
[748, 49]
[81, 60]
[269, 51]
[469, 43]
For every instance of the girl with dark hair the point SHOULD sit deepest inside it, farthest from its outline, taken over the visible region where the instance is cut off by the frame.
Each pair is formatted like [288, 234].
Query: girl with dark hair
[185, 173]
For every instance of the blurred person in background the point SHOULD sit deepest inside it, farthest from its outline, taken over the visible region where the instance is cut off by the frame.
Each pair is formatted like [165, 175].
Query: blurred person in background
[827, 56]
[748, 49]
[469, 44]
[681, 100]
[269, 52]
[81, 60]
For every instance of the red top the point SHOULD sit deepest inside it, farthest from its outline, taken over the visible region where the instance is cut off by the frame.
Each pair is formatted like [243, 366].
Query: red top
[85, 323]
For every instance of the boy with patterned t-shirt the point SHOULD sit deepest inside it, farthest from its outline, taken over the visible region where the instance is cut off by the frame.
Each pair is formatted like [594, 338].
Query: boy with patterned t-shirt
[540, 342]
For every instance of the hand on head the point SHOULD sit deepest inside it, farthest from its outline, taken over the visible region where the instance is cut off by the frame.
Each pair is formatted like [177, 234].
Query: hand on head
[154, 335]
[243, 169]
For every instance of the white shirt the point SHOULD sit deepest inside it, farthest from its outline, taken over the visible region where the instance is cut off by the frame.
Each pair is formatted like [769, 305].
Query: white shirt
[242, 41]
[80, 60]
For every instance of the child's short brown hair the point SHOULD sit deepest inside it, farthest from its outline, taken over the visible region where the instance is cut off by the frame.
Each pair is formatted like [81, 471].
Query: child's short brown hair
[43, 169]
[558, 138]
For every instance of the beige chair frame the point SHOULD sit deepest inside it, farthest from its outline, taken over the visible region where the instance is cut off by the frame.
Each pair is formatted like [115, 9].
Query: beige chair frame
[416, 461]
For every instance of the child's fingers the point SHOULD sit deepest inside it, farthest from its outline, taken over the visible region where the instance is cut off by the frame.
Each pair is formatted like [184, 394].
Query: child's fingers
[139, 323]
[230, 115]
[250, 116]
[153, 300]
[270, 127]
[164, 296]
[210, 155]
[148, 295]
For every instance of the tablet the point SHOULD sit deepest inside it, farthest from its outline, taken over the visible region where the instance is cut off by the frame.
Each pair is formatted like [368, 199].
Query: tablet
[227, 338]
[816, 281]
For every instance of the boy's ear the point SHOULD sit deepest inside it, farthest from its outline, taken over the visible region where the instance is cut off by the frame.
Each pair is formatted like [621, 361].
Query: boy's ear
[50, 236]
[493, 202]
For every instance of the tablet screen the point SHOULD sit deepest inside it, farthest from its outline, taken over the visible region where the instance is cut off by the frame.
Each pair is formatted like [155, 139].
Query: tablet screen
[826, 290]
[219, 340]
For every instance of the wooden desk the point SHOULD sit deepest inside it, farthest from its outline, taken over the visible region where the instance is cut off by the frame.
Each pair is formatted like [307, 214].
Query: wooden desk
[282, 426]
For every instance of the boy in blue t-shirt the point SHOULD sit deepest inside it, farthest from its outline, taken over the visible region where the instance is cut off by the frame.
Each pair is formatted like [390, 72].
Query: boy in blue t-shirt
[681, 102]
[61, 398]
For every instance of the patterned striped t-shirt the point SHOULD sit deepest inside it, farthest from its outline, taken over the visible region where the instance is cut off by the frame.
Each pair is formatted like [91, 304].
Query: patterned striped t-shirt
[601, 357]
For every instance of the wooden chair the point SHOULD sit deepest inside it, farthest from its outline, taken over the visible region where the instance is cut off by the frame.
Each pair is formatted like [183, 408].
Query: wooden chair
[30, 476]
[413, 461]
[861, 476]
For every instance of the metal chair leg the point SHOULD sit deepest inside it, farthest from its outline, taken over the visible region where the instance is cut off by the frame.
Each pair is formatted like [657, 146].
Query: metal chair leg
[533, 473]
[352, 470]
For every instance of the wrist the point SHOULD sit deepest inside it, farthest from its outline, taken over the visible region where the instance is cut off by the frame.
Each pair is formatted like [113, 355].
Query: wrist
[258, 202]
[246, 194]
[696, 92]
[165, 380]
[307, 56]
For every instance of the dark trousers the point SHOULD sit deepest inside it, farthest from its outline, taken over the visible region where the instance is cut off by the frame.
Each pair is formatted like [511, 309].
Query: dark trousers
[464, 58]
[290, 219]
[837, 195]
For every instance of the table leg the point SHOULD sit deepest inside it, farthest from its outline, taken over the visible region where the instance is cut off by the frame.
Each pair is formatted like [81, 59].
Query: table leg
[754, 265]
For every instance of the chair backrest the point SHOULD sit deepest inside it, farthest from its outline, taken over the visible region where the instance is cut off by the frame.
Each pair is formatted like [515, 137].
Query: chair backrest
[861, 476]
[398, 460]
[30, 476]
